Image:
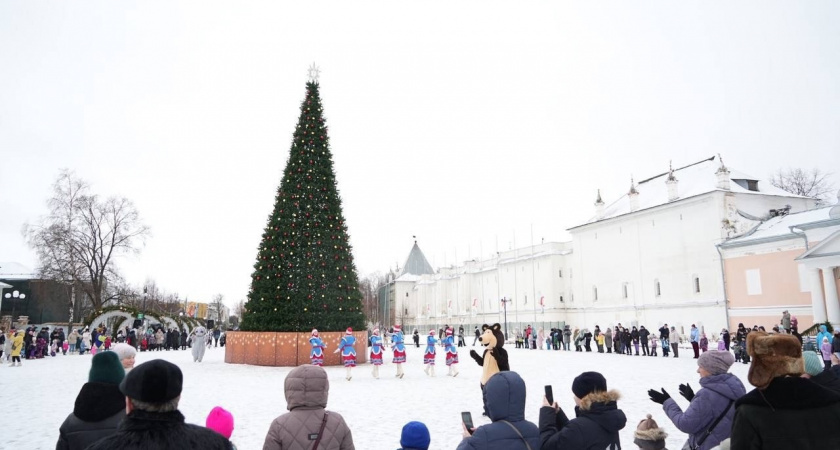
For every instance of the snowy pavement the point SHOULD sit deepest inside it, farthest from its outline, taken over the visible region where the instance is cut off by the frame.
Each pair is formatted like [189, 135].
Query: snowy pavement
[39, 395]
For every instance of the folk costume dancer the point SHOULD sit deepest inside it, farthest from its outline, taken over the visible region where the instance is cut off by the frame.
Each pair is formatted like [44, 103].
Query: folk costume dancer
[451, 354]
[348, 351]
[429, 356]
[377, 352]
[316, 355]
[398, 346]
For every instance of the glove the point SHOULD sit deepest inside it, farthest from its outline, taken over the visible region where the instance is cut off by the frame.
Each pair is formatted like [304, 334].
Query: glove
[658, 397]
[686, 391]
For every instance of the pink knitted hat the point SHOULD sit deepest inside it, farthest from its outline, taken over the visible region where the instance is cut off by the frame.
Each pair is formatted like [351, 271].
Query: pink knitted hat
[220, 421]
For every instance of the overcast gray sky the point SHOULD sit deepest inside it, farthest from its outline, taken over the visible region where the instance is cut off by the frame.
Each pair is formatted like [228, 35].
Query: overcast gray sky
[462, 123]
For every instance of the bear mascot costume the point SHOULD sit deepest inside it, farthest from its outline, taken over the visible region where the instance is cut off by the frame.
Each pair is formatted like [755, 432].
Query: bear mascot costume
[495, 357]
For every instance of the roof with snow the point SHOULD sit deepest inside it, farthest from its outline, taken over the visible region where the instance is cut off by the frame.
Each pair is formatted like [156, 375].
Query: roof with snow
[778, 228]
[694, 179]
[416, 264]
[16, 271]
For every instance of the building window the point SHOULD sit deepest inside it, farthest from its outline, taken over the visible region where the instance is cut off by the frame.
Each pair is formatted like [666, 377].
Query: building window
[594, 293]
[753, 282]
[624, 290]
[560, 272]
[656, 289]
[572, 296]
[696, 284]
[561, 299]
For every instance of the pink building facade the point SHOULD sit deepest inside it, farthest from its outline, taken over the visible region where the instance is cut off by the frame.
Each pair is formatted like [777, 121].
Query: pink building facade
[787, 263]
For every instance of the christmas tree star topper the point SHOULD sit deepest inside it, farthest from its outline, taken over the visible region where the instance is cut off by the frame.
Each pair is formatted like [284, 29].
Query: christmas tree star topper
[314, 73]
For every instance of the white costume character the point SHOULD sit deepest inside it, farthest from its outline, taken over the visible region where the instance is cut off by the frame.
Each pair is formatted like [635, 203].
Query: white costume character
[198, 343]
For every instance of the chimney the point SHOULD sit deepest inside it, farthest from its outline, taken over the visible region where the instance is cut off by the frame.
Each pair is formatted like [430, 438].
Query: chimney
[633, 195]
[599, 207]
[673, 192]
[722, 176]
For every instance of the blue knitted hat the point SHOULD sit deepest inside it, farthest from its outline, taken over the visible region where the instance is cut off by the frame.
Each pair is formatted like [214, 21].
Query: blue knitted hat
[415, 435]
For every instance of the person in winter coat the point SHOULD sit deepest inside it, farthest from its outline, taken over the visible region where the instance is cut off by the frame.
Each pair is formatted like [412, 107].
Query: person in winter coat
[644, 334]
[704, 343]
[17, 346]
[600, 341]
[675, 341]
[597, 422]
[784, 411]
[100, 406]
[578, 338]
[307, 390]
[726, 338]
[786, 321]
[152, 392]
[718, 391]
[825, 349]
[608, 339]
[823, 334]
[86, 341]
[587, 339]
[567, 337]
[504, 400]
[815, 371]
[73, 340]
[664, 339]
[634, 337]
[835, 343]
[694, 337]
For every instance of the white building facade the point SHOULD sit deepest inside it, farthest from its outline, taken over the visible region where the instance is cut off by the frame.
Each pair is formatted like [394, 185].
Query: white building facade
[650, 257]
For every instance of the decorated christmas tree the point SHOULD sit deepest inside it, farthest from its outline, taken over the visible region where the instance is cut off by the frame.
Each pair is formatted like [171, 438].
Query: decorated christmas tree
[304, 276]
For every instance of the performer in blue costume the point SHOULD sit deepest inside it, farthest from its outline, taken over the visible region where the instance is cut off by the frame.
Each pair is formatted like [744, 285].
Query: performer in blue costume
[316, 356]
[399, 350]
[377, 352]
[429, 355]
[348, 351]
[451, 353]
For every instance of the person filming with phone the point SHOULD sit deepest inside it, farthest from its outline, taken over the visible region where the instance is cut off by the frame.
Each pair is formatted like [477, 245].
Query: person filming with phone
[597, 420]
[504, 400]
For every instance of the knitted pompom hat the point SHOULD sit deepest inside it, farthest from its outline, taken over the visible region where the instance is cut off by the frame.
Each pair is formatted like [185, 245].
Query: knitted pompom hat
[648, 435]
[105, 367]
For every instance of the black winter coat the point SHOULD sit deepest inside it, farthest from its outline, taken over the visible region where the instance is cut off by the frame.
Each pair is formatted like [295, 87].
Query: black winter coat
[664, 333]
[100, 407]
[791, 413]
[643, 334]
[635, 336]
[829, 379]
[595, 427]
[141, 430]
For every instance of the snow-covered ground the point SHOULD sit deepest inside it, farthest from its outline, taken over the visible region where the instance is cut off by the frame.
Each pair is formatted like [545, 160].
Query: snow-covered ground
[39, 395]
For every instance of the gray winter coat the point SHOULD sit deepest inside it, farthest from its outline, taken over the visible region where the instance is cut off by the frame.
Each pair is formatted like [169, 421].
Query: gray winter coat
[708, 403]
[307, 389]
[608, 338]
[504, 396]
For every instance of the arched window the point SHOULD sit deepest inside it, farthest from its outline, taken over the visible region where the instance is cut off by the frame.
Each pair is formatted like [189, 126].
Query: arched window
[594, 293]
[656, 289]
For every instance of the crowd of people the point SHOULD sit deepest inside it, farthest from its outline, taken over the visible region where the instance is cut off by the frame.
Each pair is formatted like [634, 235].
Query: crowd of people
[38, 343]
[794, 403]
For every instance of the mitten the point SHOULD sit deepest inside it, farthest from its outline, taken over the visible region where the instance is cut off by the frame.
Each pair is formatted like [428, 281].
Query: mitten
[686, 391]
[658, 397]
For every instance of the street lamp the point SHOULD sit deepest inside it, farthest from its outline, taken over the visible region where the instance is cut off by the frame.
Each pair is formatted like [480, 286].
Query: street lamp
[15, 295]
[145, 294]
[505, 301]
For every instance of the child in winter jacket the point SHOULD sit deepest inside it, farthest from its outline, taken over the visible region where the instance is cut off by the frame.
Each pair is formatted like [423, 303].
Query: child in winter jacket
[825, 349]
[653, 343]
[704, 343]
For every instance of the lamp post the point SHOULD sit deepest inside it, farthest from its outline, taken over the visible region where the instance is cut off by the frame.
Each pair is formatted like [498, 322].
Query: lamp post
[145, 294]
[15, 295]
[505, 301]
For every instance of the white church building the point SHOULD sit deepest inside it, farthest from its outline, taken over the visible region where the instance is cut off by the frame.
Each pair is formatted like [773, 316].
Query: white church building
[646, 258]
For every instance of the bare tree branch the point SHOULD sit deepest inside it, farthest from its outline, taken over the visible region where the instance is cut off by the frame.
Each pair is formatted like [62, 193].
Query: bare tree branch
[809, 183]
[77, 241]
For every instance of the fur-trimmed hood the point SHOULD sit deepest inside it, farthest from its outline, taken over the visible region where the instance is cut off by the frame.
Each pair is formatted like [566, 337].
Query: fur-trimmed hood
[587, 401]
[654, 434]
[602, 408]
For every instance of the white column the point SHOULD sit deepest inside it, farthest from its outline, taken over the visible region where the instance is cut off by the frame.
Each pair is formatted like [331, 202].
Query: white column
[817, 299]
[832, 303]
